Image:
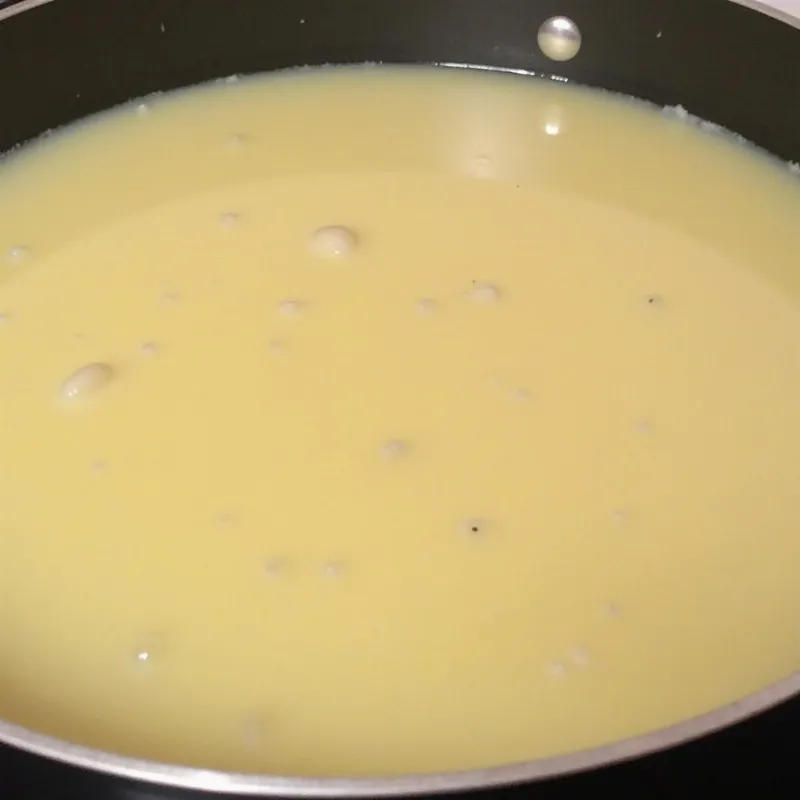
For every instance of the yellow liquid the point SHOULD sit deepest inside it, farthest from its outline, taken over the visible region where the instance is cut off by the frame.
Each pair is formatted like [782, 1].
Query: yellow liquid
[247, 541]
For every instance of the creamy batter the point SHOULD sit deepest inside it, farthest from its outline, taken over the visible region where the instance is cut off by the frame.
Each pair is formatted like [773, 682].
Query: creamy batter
[366, 421]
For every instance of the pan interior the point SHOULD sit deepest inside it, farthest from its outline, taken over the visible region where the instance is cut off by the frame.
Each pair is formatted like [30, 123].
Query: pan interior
[368, 421]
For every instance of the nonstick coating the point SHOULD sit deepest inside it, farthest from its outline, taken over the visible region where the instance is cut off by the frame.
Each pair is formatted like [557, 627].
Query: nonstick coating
[61, 60]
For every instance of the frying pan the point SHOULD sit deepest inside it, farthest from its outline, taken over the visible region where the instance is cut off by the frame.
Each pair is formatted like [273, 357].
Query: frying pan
[735, 63]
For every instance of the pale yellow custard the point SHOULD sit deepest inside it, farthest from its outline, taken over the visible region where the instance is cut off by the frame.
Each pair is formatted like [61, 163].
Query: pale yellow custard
[369, 421]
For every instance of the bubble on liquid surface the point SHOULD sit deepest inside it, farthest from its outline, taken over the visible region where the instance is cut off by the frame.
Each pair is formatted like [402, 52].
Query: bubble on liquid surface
[148, 349]
[520, 395]
[254, 731]
[333, 569]
[426, 307]
[333, 241]
[228, 220]
[394, 449]
[18, 253]
[226, 520]
[644, 427]
[147, 651]
[87, 381]
[170, 298]
[557, 669]
[579, 656]
[482, 166]
[620, 517]
[277, 346]
[612, 611]
[4, 317]
[99, 467]
[290, 308]
[236, 142]
[678, 111]
[485, 293]
[275, 568]
[142, 109]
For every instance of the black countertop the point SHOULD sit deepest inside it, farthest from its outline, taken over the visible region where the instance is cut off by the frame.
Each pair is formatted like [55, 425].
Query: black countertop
[756, 759]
